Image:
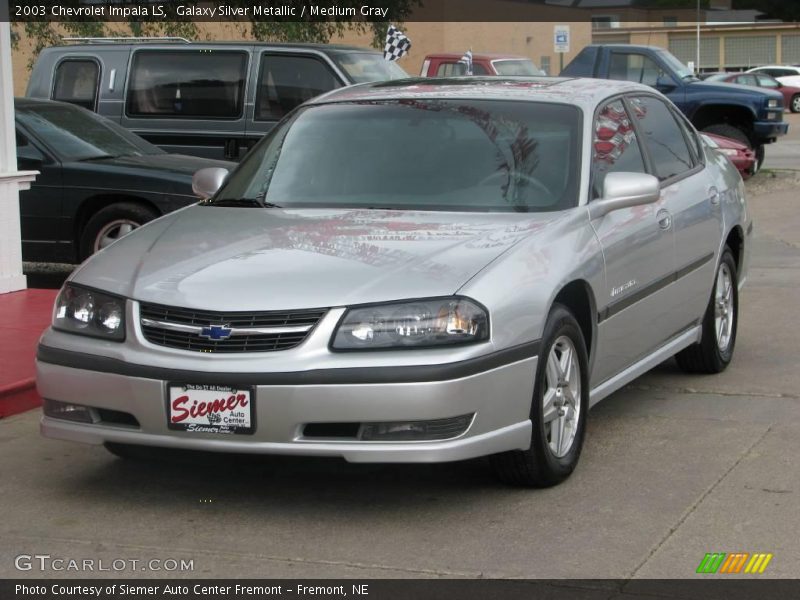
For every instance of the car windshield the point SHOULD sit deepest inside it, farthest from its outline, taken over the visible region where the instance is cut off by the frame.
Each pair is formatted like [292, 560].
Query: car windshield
[364, 67]
[680, 69]
[76, 134]
[522, 67]
[417, 154]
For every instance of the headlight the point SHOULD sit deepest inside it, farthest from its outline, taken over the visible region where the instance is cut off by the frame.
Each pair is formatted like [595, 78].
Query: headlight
[772, 103]
[413, 324]
[89, 312]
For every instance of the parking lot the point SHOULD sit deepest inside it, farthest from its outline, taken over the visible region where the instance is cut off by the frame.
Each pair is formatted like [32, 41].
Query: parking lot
[675, 466]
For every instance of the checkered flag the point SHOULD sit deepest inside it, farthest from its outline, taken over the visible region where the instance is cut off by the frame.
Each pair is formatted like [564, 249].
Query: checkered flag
[397, 44]
[466, 60]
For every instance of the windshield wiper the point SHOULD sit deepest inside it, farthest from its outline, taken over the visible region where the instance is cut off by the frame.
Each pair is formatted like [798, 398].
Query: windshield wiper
[244, 202]
[98, 157]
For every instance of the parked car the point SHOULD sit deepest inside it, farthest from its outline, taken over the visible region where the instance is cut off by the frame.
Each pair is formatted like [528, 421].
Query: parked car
[788, 74]
[476, 300]
[750, 116]
[791, 94]
[96, 182]
[742, 157]
[446, 64]
[207, 99]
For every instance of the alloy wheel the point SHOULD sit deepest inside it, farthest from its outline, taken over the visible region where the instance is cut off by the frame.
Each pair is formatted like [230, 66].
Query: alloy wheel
[112, 231]
[724, 307]
[561, 403]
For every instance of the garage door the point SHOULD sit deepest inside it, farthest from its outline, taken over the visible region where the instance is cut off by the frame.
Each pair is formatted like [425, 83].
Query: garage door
[790, 49]
[685, 49]
[750, 51]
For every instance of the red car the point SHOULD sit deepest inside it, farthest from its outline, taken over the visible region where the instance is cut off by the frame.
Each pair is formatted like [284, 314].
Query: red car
[742, 157]
[447, 64]
[791, 95]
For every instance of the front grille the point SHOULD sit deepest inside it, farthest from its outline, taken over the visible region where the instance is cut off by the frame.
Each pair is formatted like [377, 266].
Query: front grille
[180, 328]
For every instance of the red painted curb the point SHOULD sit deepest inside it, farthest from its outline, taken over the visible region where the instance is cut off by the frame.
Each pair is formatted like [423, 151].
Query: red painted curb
[20, 400]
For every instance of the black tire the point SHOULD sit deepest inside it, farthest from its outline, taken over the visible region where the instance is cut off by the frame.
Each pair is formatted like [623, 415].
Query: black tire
[122, 213]
[760, 156]
[707, 356]
[539, 466]
[794, 104]
[729, 131]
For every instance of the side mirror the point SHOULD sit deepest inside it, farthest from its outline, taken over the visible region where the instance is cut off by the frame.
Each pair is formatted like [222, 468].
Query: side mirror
[206, 182]
[623, 190]
[664, 84]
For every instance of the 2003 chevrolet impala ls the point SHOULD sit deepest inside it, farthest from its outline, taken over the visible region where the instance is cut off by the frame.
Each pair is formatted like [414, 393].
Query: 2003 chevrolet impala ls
[423, 270]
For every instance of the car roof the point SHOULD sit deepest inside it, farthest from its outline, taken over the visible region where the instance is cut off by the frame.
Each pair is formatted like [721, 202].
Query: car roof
[477, 56]
[583, 92]
[161, 45]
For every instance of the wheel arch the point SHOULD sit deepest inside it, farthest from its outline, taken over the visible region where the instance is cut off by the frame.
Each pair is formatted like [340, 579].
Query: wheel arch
[735, 241]
[91, 205]
[578, 297]
[738, 116]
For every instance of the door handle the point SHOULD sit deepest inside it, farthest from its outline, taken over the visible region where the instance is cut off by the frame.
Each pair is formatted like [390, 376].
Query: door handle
[713, 196]
[664, 219]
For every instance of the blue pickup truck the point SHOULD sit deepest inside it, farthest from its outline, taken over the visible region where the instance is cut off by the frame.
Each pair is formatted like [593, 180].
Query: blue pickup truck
[751, 116]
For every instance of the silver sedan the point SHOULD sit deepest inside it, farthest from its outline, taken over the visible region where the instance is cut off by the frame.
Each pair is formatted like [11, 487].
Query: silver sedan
[412, 271]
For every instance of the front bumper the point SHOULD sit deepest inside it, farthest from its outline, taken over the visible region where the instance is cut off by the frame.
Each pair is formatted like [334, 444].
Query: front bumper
[769, 131]
[499, 397]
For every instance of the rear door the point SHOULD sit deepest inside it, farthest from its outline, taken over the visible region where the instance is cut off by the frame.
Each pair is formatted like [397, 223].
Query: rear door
[283, 80]
[692, 205]
[189, 100]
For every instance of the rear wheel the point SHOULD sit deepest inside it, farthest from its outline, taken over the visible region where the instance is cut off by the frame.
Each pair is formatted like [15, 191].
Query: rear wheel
[714, 352]
[794, 105]
[111, 223]
[558, 409]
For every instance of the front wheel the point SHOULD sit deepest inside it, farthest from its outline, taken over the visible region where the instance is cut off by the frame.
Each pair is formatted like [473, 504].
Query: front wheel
[558, 410]
[111, 223]
[794, 105]
[714, 352]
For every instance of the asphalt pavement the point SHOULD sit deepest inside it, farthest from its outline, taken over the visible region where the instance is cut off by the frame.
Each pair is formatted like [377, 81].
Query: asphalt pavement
[674, 466]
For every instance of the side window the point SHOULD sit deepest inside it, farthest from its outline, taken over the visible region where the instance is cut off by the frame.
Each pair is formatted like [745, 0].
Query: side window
[695, 145]
[196, 84]
[286, 81]
[768, 82]
[76, 82]
[662, 136]
[615, 147]
[635, 67]
[451, 69]
[746, 80]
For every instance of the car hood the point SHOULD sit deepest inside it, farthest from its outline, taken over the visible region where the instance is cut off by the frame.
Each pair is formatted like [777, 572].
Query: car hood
[729, 88]
[170, 173]
[256, 259]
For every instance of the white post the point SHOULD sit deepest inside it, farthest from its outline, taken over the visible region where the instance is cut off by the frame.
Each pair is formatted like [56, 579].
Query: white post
[697, 49]
[11, 180]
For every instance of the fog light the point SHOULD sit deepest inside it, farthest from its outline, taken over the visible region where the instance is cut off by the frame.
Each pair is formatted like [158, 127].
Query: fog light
[413, 431]
[69, 412]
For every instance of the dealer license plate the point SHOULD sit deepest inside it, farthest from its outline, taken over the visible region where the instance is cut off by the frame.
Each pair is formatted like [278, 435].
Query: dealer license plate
[210, 408]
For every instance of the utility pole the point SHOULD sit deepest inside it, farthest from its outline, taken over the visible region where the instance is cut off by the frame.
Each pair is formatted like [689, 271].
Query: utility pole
[697, 57]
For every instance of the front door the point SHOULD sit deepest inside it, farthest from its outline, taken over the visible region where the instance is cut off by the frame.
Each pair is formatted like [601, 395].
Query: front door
[638, 249]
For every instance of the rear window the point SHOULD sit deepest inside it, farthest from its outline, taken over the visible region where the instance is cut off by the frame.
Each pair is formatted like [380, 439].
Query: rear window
[425, 154]
[524, 68]
[191, 84]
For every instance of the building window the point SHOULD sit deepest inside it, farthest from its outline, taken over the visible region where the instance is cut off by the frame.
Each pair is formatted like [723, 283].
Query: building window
[605, 22]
